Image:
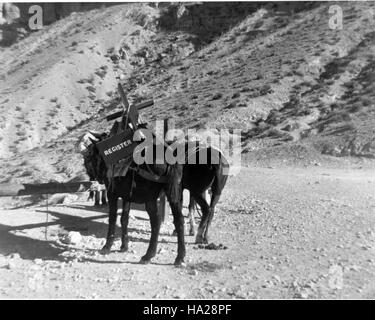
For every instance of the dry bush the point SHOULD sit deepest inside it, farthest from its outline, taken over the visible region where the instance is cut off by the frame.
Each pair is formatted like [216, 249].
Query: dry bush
[51, 113]
[367, 101]
[217, 96]
[91, 89]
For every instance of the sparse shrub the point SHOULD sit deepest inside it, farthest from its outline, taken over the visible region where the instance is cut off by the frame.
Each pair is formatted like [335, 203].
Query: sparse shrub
[265, 89]
[26, 173]
[91, 89]
[101, 73]
[366, 101]
[90, 80]
[231, 105]
[217, 96]
[245, 89]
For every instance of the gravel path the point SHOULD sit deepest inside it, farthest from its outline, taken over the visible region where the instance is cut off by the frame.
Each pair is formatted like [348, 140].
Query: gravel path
[291, 233]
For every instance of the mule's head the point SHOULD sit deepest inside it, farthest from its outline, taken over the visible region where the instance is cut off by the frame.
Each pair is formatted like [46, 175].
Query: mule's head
[92, 160]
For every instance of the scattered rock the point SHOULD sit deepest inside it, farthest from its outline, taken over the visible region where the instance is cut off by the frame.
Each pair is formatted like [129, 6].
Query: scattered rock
[193, 272]
[70, 198]
[73, 237]
[212, 246]
[301, 295]
[276, 278]
[11, 265]
[14, 256]
[336, 277]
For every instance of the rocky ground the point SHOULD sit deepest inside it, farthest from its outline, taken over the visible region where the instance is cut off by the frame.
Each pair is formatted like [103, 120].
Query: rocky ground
[304, 232]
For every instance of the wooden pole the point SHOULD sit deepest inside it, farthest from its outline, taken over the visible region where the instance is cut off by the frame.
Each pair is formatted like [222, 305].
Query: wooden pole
[13, 189]
[139, 106]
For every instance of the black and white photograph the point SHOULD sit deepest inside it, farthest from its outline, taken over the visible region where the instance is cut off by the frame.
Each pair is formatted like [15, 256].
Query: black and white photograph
[187, 151]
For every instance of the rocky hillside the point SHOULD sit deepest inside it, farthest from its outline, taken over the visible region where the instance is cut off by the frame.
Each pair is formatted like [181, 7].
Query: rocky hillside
[277, 72]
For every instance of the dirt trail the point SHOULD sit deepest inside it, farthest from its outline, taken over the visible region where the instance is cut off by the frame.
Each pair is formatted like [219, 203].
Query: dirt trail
[290, 233]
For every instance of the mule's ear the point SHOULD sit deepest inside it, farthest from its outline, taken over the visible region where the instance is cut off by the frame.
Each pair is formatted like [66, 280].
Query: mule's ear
[95, 134]
[92, 137]
[93, 140]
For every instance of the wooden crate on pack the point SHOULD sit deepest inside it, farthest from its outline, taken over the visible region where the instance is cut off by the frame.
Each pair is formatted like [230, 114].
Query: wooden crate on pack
[117, 147]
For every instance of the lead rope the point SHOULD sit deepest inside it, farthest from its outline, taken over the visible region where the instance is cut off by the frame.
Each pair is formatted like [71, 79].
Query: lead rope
[198, 210]
[131, 186]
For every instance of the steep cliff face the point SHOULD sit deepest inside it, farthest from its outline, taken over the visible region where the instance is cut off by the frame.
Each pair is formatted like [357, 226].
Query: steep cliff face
[211, 19]
[206, 20]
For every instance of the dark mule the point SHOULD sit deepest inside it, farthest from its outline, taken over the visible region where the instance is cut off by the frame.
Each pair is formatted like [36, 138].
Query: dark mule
[134, 187]
[198, 178]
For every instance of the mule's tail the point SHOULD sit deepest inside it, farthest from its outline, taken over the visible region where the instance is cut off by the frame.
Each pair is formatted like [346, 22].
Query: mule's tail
[221, 175]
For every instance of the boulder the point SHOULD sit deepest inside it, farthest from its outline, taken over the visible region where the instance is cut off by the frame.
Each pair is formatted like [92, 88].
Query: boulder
[9, 13]
[73, 237]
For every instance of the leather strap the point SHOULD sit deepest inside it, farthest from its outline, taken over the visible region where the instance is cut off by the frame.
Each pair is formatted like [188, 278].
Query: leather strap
[150, 176]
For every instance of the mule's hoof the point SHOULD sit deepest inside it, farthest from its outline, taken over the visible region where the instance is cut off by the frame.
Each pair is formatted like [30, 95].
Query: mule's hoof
[144, 260]
[105, 250]
[174, 233]
[97, 204]
[180, 263]
[124, 249]
[200, 240]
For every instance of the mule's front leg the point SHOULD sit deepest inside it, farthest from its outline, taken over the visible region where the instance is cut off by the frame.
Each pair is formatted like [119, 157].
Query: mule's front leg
[155, 220]
[124, 226]
[111, 224]
[191, 216]
[104, 197]
[97, 198]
